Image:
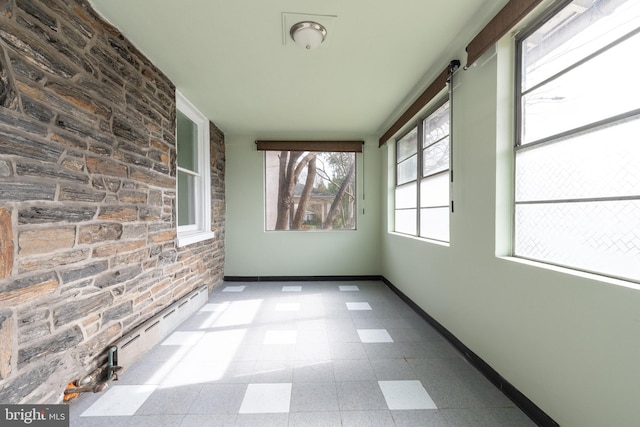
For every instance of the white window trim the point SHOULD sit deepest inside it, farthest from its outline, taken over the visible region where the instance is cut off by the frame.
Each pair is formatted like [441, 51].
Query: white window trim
[188, 234]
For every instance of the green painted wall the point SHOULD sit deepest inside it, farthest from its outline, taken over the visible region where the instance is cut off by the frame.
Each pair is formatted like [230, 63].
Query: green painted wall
[568, 341]
[252, 251]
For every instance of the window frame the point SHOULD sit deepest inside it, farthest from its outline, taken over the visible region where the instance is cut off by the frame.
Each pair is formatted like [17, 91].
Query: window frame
[588, 128]
[201, 230]
[309, 147]
[418, 126]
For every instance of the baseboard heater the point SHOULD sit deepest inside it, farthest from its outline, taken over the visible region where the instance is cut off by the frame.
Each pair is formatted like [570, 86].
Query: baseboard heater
[132, 346]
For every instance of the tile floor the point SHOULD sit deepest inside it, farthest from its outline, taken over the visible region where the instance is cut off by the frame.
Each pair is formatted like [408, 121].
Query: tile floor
[305, 354]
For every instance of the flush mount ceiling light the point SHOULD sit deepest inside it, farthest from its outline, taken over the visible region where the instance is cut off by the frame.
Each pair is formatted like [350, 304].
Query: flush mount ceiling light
[308, 34]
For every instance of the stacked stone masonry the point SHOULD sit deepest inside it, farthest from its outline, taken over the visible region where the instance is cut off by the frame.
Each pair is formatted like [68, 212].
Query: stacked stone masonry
[87, 196]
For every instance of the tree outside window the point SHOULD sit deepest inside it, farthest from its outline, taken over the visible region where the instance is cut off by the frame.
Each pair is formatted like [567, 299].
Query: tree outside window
[310, 190]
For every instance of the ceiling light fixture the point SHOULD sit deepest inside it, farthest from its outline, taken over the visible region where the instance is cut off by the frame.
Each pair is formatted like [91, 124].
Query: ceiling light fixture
[308, 34]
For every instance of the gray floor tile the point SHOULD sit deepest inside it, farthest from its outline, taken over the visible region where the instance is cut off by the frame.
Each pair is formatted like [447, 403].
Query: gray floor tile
[314, 397]
[400, 350]
[367, 419]
[360, 395]
[315, 419]
[392, 369]
[219, 399]
[98, 421]
[406, 335]
[238, 372]
[161, 353]
[248, 352]
[261, 420]
[452, 394]
[311, 325]
[483, 417]
[312, 351]
[342, 332]
[433, 370]
[439, 349]
[313, 336]
[155, 420]
[174, 400]
[353, 370]
[218, 420]
[277, 352]
[374, 322]
[313, 371]
[347, 350]
[272, 371]
[419, 418]
[490, 396]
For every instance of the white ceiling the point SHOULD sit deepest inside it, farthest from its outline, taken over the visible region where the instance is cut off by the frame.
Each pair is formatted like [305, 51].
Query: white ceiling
[229, 59]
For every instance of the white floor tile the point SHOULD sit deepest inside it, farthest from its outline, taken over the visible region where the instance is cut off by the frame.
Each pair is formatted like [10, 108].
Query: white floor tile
[215, 307]
[358, 306]
[348, 288]
[186, 338]
[188, 373]
[291, 288]
[234, 289]
[216, 346]
[120, 400]
[280, 337]
[374, 335]
[288, 306]
[238, 313]
[266, 399]
[406, 395]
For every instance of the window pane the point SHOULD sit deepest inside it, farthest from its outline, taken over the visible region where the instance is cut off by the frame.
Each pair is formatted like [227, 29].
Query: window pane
[408, 170]
[406, 221]
[321, 197]
[407, 146]
[436, 158]
[406, 196]
[583, 166]
[578, 194]
[586, 94]
[434, 191]
[553, 46]
[186, 199]
[434, 223]
[436, 126]
[594, 236]
[187, 143]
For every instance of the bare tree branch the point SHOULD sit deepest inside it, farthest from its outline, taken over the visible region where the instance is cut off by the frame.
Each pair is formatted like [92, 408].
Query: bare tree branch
[328, 223]
[306, 192]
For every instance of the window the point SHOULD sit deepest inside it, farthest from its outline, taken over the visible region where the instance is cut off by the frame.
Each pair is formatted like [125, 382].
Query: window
[422, 178]
[577, 156]
[309, 190]
[193, 170]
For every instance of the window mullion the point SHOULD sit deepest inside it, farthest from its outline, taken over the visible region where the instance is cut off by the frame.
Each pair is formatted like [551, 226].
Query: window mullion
[419, 162]
[582, 129]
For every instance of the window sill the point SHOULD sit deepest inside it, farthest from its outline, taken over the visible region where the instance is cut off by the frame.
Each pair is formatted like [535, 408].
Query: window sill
[185, 239]
[572, 272]
[421, 239]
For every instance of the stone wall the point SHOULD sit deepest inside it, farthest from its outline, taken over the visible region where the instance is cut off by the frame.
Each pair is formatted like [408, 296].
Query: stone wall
[87, 195]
